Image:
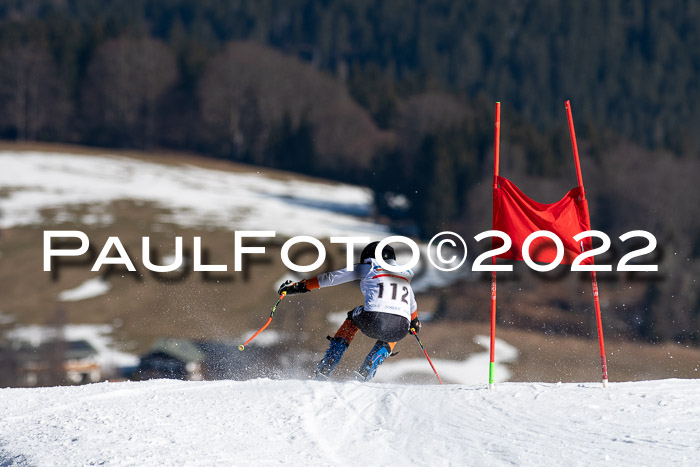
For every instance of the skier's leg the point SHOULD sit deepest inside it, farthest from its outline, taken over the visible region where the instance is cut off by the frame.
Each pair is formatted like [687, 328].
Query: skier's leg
[346, 331]
[375, 357]
[339, 343]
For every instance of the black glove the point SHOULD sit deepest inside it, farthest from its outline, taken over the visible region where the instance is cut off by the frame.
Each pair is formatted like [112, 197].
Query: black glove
[293, 287]
[415, 325]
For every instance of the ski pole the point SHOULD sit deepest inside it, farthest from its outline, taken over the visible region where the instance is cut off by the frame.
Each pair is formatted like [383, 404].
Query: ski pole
[269, 320]
[413, 331]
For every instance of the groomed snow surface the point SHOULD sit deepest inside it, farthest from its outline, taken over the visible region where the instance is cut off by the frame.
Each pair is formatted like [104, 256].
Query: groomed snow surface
[265, 422]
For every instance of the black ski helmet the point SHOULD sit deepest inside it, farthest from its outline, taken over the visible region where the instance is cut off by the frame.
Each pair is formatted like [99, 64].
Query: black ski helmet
[368, 252]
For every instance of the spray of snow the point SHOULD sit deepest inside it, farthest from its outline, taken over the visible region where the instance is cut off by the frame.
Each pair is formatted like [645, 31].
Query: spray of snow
[268, 338]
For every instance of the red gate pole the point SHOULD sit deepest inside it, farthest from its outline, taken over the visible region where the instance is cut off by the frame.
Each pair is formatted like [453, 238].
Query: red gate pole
[497, 139]
[594, 279]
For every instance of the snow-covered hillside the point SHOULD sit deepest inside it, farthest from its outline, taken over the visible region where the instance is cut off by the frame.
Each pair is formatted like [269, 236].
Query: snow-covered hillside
[266, 422]
[194, 196]
[79, 188]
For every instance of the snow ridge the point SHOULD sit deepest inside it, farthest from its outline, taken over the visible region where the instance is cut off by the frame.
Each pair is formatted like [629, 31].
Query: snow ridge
[262, 422]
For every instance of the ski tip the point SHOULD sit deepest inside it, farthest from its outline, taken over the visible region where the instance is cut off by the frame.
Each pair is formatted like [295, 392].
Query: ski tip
[359, 377]
[321, 377]
[241, 347]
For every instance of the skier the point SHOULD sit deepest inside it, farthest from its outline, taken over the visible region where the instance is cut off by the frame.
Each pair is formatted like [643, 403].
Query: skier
[388, 314]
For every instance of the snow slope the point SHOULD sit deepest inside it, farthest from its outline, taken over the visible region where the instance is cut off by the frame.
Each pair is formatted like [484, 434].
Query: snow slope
[98, 335]
[265, 422]
[194, 196]
[89, 289]
[79, 188]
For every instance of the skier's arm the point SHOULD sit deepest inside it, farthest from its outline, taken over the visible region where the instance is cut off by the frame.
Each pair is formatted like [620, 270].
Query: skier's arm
[341, 276]
[327, 279]
[415, 323]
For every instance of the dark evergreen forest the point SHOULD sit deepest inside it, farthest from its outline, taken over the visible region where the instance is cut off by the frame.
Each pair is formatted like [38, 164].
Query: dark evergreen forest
[396, 95]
